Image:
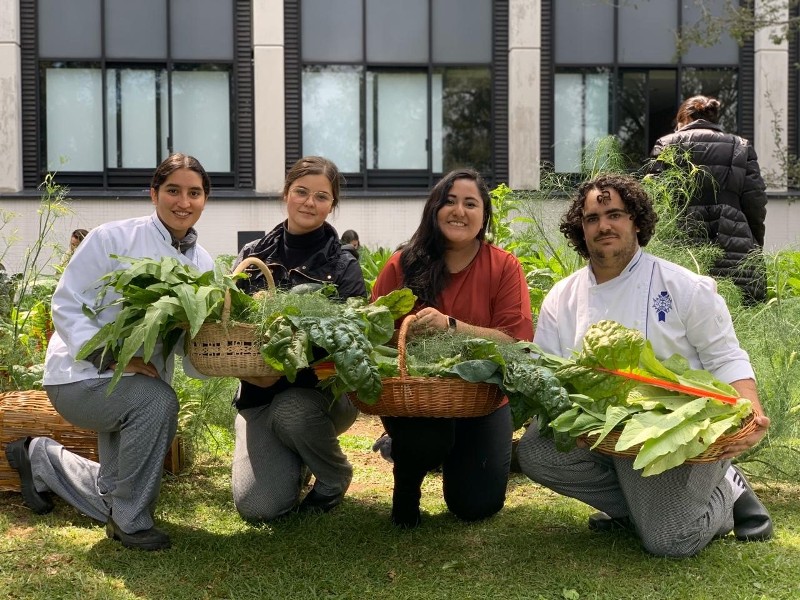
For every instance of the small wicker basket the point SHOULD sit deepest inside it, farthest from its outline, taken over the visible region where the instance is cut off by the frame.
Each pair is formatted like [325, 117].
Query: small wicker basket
[29, 413]
[449, 397]
[227, 349]
[710, 454]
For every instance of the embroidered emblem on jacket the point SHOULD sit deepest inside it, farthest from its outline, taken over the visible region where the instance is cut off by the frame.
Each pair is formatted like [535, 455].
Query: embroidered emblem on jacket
[662, 304]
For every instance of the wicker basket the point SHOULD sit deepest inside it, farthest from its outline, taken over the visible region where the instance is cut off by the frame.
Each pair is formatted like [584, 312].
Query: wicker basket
[406, 396]
[29, 413]
[231, 350]
[710, 454]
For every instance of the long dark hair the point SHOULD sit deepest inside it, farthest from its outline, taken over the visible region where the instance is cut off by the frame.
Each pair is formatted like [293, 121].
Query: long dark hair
[422, 259]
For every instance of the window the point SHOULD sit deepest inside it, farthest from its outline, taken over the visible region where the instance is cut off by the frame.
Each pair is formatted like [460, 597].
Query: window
[123, 84]
[625, 78]
[396, 93]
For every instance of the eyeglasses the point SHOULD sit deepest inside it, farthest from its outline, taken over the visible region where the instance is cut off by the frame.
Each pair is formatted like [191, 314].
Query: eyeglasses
[301, 194]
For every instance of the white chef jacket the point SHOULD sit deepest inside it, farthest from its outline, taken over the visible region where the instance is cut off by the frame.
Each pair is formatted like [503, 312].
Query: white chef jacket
[680, 312]
[137, 238]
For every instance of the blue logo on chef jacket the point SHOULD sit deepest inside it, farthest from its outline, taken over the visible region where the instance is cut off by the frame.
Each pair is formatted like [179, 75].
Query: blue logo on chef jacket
[662, 304]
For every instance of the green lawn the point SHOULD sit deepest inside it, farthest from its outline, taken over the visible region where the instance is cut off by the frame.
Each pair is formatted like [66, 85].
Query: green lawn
[537, 547]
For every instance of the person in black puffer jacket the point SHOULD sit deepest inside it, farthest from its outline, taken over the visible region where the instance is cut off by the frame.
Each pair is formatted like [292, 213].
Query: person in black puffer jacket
[286, 431]
[730, 206]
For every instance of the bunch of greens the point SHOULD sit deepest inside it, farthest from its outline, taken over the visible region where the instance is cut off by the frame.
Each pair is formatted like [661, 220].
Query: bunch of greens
[158, 300]
[616, 382]
[304, 330]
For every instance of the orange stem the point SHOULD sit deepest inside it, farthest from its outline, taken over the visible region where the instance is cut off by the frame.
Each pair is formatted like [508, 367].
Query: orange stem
[669, 385]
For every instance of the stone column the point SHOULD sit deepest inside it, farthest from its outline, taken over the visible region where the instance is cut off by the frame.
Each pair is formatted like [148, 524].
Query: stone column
[10, 99]
[268, 100]
[524, 89]
[771, 99]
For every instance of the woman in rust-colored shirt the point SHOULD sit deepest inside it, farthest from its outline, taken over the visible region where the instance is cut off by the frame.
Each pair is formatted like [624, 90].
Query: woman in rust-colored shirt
[464, 283]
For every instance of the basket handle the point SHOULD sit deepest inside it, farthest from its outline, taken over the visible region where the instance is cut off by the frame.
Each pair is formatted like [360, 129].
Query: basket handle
[401, 344]
[250, 260]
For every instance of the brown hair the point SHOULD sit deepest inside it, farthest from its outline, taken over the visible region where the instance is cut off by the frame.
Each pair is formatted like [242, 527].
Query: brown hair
[698, 107]
[180, 161]
[634, 197]
[315, 165]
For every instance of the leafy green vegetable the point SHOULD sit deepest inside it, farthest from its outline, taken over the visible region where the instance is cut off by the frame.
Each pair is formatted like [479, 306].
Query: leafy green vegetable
[346, 334]
[158, 300]
[669, 427]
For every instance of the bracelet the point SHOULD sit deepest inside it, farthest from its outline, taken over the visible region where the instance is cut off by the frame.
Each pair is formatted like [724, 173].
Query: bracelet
[451, 323]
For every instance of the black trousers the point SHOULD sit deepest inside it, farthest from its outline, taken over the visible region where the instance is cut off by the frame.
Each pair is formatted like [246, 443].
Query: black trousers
[474, 453]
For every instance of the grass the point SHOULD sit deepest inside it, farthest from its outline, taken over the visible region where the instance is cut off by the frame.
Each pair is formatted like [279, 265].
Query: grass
[538, 546]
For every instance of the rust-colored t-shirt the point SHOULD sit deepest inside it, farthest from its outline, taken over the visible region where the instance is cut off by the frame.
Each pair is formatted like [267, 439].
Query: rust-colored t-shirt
[490, 292]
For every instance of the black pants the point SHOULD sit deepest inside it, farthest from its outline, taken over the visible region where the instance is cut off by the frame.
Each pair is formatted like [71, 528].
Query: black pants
[474, 453]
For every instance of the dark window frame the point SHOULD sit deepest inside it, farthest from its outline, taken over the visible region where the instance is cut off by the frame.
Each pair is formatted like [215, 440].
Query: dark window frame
[240, 69]
[399, 179]
[550, 69]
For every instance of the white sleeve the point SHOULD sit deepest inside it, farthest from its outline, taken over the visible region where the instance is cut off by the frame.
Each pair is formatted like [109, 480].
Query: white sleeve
[79, 285]
[709, 328]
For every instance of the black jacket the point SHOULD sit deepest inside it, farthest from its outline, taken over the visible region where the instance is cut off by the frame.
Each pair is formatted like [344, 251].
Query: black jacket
[731, 203]
[327, 263]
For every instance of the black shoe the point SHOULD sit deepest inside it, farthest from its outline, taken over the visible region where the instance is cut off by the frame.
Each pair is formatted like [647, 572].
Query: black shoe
[17, 455]
[751, 520]
[147, 539]
[406, 517]
[600, 521]
[316, 502]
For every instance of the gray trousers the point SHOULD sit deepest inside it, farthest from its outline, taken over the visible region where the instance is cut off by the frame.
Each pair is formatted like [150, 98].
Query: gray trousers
[135, 426]
[676, 513]
[275, 444]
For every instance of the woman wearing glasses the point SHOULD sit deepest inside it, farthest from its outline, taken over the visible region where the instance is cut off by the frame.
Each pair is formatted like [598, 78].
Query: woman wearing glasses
[286, 431]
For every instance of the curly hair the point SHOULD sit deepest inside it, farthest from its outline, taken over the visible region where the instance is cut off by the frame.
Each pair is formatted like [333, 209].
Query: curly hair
[637, 204]
[422, 259]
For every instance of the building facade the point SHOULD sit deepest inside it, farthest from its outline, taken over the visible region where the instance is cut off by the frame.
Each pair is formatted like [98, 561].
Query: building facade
[396, 93]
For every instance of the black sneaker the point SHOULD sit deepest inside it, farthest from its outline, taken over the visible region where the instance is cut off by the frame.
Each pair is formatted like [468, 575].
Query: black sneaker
[316, 502]
[146, 539]
[751, 520]
[17, 455]
[600, 521]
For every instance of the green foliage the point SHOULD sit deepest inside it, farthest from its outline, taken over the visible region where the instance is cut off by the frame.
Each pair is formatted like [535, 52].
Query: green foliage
[671, 426]
[783, 274]
[372, 263]
[158, 300]
[301, 330]
[206, 415]
[25, 324]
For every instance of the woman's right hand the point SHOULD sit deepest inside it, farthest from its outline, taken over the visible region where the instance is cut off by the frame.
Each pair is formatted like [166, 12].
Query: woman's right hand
[262, 382]
[137, 365]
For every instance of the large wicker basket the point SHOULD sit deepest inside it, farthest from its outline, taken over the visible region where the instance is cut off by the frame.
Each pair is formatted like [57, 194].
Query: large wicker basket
[29, 413]
[710, 454]
[228, 349]
[406, 396]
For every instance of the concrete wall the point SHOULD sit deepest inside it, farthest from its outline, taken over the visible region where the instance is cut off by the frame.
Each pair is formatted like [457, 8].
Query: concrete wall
[383, 222]
[10, 99]
[380, 222]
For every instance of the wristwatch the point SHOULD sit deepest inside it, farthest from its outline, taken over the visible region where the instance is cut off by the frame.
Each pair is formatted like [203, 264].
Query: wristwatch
[451, 323]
